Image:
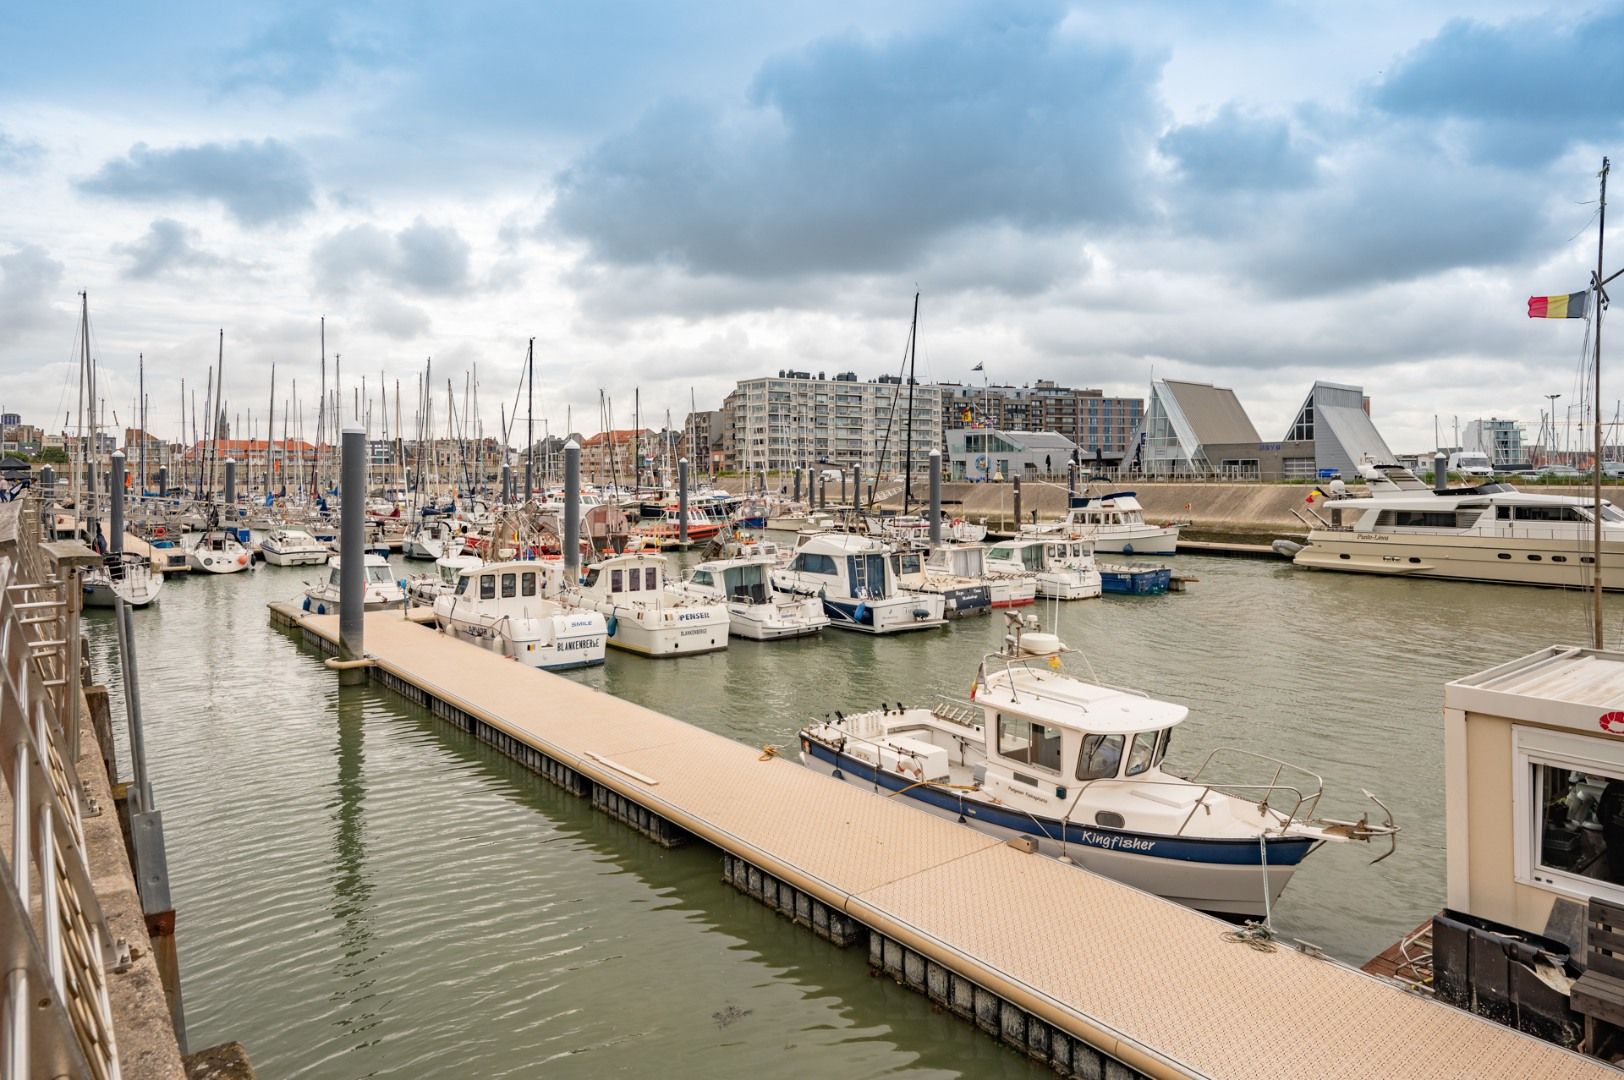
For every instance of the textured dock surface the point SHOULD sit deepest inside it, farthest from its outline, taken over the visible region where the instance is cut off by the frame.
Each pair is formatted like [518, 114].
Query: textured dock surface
[1140, 978]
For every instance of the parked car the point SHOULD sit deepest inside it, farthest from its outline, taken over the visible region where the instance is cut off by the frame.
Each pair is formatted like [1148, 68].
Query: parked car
[1559, 472]
[1613, 470]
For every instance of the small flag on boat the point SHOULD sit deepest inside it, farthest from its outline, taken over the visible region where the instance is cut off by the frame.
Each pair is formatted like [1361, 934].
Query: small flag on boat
[1570, 306]
[976, 368]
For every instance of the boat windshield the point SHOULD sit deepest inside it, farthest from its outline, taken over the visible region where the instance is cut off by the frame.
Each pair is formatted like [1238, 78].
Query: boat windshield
[747, 583]
[379, 574]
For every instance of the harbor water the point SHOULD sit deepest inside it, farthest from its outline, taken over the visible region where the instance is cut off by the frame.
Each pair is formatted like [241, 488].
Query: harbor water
[362, 890]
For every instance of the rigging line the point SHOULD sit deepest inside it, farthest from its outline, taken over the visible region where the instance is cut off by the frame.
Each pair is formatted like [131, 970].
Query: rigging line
[1586, 226]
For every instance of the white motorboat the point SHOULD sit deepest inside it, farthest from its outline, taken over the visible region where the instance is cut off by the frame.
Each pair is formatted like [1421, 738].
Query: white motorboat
[915, 529]
[1115, 523]
[218, 551]
[645, 617]
[126, 576]
[1006, 588]
[289, 546]
[755, 609]
[434, 538]
[961, 596]
[499, 606]
[856, 579]
[423, 589]
[1063, 568]
[382, 590]
[1078, 768]
[1491, 532]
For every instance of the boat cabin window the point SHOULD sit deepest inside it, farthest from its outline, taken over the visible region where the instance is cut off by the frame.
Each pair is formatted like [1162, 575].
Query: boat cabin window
[651, 577]
[812, 563]
[702, 577]
[379, 575]
[1427, 519]
[527, 584]
[1142, 754]
[867, 575]
[1609, 512]
[1003, 554]
[1579, 823]
[906, 562]
[617, 580]
[1099, 757]
[1548, 513]
[635, 581]
[510, 585]
[462, 585]
[487, 586]
[1034, 744]
[592, 576]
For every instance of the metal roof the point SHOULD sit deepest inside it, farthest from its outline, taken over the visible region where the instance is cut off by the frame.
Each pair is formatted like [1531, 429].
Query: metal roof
[1214, 413]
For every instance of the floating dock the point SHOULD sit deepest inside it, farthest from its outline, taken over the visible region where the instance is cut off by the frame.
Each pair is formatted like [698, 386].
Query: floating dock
[1082, 974]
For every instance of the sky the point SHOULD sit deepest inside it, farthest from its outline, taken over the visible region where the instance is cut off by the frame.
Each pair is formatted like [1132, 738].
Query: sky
[671, 197]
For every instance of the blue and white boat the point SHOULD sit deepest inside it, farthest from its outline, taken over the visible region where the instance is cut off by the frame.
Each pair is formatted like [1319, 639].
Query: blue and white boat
[856, 578]
[1078, 769]
[1125, 579]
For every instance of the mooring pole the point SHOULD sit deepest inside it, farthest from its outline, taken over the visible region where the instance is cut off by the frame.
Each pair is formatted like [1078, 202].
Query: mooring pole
[572, 512]
[935, 497]
[115, 542]
[857, 488]
[1071, 483]
[823, 491]
[507, 483]
[797, 495]
[47, 481]
[682, 500]
[352, 554]
[1440, 473]
[163, 480]
[1017, 505]
[231, 485]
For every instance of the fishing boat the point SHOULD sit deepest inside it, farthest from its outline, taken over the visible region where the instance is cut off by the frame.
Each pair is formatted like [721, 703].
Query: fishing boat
[423, 589]
[855, 577]
[668, 530]
[643, 616]
[289, 546]
[1063, 567]
[499, 606]
[1005, 588]
[1078, 769]
[219, 551]
[382, 590]
[915, 529]
[961, 596]
[743, 581]
[123, 576]
[1114, 523]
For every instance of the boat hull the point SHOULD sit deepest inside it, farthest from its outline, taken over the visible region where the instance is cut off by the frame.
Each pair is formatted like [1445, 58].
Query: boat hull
[1554, 563]
[895, 615]
[1135, 581]
[1221, 877]
[295, 558]
[218, 562]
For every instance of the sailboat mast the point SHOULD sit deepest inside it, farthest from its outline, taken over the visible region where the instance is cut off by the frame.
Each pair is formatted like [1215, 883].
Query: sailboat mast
[83, 457]
[530, 422]
[141, 389]
[219, 402]
[907, 453]
[270, 434]
[1595, 392]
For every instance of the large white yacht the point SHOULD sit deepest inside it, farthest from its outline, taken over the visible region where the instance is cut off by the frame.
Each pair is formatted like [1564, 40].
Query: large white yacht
[499, 606]
[1077, 769]
[1114, 522]
[1491, 532]
[856, 579]
[643, 616]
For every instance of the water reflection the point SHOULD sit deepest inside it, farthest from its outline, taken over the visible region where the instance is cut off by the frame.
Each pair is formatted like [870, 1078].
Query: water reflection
[357, 1006]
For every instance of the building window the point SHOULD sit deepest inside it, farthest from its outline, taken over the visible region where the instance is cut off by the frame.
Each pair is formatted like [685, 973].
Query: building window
[1568, 812]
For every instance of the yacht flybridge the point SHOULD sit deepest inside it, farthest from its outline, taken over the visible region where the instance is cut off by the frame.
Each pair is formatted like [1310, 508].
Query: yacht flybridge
[1491, 532]
[1078, 768]
[1114, 523]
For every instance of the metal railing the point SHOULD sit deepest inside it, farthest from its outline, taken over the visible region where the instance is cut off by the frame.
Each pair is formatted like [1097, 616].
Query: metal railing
[55, 946]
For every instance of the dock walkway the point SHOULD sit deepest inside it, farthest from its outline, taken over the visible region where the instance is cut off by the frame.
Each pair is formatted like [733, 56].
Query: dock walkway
[1151, 984]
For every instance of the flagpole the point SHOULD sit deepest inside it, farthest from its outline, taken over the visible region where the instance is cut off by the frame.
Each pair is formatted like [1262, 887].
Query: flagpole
[1595, 464]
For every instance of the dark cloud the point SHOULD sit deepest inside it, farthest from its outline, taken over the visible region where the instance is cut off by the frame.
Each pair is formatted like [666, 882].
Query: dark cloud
[1526, 90]
[29, 278]
[425, 259]
[1239, 151]
[259, 183]
[166, 247]
[856, 156]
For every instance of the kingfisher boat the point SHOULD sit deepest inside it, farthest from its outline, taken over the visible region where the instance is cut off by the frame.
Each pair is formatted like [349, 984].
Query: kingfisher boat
[1114, 523]
[1078, 768]
[755, 609]
[855, 577]
[382, 591]
[434, 538]
[126, 577]
[289, 546]
[1063, 567]
[643, 616]
[1489, 532]
[219, 551]
[1005, 588]
[499, 607]
[423, 589]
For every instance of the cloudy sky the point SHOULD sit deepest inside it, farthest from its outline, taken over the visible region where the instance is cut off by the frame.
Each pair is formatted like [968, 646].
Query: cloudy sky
[673, 196]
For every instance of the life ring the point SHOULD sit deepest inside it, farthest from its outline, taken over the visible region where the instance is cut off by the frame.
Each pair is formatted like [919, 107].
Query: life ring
[957, 522]
[908, 766]
[159, 531]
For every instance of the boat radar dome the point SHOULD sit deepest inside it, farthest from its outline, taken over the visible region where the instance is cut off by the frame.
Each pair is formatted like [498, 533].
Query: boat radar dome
[1040, 644]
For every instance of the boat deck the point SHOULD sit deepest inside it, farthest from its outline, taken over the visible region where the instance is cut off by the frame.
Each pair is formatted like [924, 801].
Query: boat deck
[1149, 982]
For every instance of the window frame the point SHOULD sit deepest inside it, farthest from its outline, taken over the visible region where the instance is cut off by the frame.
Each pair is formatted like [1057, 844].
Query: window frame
[1082, 748]
[487, 586]
[510, 585]
[1532, 746]
[527, 583]
[1132, 747]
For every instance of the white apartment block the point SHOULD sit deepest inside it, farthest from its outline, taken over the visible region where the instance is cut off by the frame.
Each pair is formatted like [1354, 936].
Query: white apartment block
[798, 419]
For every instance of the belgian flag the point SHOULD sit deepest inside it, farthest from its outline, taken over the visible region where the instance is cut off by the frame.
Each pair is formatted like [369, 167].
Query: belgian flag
[1571, 306]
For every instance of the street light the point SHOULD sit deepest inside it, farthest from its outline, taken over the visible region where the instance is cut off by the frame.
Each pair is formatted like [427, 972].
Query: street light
[1552, 399]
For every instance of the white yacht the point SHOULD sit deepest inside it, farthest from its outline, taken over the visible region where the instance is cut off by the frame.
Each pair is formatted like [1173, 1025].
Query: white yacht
[1491, 532]
[915, 529]
[962, 596]
[382, 590]
[1115, 523]
[423, 589]
[499, 606]
[218, 551]
[289, 546]
[755, 609]
[1078, 769]
[128, 577]
[434, 538]
[1063, 567]
[856, 579]
[1006, 588]
[644, 616]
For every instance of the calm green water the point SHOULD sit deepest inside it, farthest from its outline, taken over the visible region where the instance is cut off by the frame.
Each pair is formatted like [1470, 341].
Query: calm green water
[364, 891]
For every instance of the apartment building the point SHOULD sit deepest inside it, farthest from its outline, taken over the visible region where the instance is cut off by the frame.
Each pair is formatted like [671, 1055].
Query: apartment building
[796, 418]
[1101, 427]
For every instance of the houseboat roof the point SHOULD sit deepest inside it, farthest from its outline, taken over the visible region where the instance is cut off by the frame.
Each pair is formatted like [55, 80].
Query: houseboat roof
[1560, 686]
[1065, 701]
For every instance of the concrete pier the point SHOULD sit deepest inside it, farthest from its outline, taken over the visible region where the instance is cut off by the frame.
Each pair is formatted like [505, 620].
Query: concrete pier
[1078, 972]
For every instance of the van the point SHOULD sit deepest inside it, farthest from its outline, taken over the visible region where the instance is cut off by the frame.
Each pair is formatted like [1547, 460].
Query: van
[1471, 463]
[832, 475]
